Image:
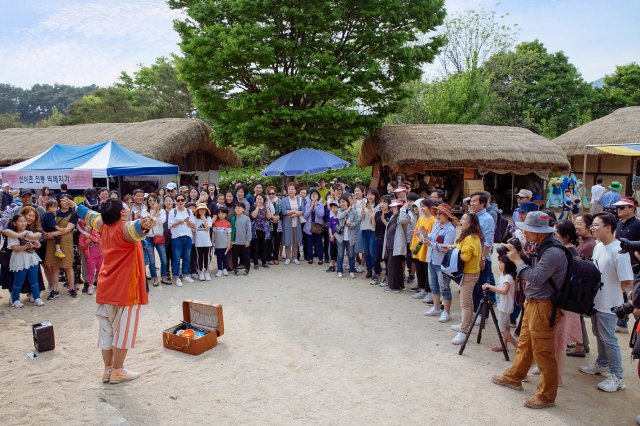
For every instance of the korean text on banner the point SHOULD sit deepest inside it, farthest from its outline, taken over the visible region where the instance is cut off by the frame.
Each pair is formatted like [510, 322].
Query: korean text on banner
[36, 179]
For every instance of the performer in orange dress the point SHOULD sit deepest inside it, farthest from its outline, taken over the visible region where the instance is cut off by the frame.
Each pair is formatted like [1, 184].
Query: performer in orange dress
[122, 286]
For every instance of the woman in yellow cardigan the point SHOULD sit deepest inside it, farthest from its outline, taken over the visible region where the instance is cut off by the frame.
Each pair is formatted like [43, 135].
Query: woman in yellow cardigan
[470, 245]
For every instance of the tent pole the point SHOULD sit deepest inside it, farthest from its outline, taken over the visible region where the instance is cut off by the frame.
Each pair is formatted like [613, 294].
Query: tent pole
[584, 179]
[107, 183]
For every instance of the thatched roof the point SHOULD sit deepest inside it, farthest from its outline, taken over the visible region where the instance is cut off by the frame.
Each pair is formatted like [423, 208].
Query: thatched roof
[618, 128]
[459, 146]
[181, 141]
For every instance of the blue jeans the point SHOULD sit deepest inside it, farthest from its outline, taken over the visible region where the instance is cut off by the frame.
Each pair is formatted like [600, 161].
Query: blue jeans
[151, 258]
[369, 242]
[604, 328]
[439, 283]
[313, 239]
[181, 251]
[352, 260]
[18, 280]
[377, 264]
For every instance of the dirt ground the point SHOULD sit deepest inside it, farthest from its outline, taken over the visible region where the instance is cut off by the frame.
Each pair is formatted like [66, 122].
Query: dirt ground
[300, 347]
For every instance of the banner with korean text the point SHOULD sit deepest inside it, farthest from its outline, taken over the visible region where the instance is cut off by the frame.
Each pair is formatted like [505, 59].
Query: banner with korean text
[36, 179]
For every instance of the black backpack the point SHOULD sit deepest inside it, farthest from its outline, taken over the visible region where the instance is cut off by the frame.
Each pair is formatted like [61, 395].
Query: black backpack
[501, 229]
[581, 284]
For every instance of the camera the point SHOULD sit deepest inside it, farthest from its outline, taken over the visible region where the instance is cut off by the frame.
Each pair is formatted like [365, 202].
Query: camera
[502, 251]
[626, 246]
[623, 310]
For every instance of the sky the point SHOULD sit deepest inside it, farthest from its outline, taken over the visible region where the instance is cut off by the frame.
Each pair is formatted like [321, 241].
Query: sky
[82, 42]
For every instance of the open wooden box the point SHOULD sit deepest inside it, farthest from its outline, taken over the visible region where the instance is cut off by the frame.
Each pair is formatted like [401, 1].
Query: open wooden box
[206, 316]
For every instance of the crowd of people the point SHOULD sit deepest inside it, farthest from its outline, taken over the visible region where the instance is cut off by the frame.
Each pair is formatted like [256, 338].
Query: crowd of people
[396, 241]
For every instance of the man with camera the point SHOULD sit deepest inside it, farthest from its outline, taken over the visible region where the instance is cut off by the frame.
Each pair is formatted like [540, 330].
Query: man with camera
[628, 229]
[537, 334]
[617, 276]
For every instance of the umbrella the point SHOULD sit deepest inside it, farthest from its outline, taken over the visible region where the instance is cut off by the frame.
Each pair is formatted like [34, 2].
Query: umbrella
[304, 160]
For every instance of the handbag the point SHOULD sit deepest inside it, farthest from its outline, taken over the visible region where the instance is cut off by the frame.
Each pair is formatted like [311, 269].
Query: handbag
[316, 228]
[158, 239]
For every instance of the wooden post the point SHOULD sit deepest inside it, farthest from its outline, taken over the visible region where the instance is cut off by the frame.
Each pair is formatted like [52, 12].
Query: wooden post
[584, 180]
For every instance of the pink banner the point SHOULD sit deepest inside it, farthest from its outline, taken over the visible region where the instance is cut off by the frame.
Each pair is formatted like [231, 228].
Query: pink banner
[36, 179]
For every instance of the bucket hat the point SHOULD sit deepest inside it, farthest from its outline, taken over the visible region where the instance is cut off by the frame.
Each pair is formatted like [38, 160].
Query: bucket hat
[536, 222]
[615, 185]
[527, 206]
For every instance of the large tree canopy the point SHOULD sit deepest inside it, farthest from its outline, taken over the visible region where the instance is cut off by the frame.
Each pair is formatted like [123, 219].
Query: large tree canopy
[304, 73]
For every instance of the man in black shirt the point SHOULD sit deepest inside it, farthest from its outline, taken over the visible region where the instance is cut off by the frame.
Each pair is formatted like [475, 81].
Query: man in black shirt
[629, 228]
[381, 218]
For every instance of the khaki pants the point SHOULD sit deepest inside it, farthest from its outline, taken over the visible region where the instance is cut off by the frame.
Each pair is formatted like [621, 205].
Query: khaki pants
[466, 300]
[536, 344]
[294, 240]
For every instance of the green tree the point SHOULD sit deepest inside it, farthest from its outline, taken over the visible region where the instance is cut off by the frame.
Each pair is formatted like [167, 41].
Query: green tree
[106, 105]
[535, 89]
[473, 37]
[620, 89]
[306, 73]
[10, 121]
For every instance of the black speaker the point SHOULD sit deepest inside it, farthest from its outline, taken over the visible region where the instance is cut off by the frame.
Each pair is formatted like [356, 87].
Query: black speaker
[43, 338]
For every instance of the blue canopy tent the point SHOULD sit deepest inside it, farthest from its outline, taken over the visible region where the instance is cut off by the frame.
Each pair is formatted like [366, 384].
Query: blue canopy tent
[103, 159]
[304, 160]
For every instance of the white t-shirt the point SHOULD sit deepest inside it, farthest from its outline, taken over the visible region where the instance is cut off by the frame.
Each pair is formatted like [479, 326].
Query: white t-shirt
[203, 237]
[505, 301]
[596, 192]
[183, 229]
[614, 267]
[294, 207]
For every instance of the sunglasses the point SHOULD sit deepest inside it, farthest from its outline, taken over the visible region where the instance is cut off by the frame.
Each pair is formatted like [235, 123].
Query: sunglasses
[153, 201]
[622, 207]
[180, 201]
[272, 193]
[438, 214]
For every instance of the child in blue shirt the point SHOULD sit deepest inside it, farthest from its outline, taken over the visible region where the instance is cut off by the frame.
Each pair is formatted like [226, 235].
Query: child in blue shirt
[49, 224]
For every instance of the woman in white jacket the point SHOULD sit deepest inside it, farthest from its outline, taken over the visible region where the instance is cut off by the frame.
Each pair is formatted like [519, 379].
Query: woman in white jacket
[154, 208]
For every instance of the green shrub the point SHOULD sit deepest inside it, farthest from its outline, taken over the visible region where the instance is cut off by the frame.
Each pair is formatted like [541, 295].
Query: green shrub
[250, 176]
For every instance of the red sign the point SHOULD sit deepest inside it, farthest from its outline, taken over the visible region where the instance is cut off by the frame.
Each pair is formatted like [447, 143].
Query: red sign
[36, 179]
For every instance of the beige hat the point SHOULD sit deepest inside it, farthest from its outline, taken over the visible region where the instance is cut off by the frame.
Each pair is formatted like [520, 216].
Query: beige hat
[203, 206]
[524, 193]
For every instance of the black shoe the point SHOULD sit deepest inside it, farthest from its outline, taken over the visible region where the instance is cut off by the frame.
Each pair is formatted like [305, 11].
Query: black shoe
[256, 266]
[235, 271]
[411, 279]
[66, 283]
[265, 265]
[331, 269]
[73, 293]
[369, 274]
[246, 272]
[85, 288]
[416, 288]
[53, 295]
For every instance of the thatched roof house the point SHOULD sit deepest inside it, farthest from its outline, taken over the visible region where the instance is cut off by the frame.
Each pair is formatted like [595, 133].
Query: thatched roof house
[618, 128]
[180, 141]
[458, 146]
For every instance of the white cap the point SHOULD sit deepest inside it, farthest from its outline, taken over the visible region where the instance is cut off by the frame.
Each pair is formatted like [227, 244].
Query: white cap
[4, 185]
[171, 186]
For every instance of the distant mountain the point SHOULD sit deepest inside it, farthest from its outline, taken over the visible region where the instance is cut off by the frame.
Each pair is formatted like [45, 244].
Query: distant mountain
[598, 83]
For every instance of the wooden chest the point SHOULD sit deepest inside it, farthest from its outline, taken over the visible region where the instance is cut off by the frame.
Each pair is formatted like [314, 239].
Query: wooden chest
[206, 317]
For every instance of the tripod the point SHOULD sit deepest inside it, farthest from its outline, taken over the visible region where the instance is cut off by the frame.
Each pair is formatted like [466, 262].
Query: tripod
[485, 304]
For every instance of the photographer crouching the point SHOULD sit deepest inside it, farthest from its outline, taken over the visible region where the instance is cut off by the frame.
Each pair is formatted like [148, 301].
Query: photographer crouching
[537, 334]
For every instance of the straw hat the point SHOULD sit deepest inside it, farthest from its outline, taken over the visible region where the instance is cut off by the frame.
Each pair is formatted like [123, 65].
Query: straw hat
[446, 209]
[203, 206]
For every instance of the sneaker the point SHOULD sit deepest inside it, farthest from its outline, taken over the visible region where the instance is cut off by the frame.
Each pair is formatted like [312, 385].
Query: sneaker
[622, 329]
[369, 274]
[288, 261]
[456, 327]
[596, 368]
[235, 271]
[375, 280]
[90, 290]
[17, 304]
[195, 276]
[460, 338]
[188, 279]
[31, 299]
[384, 282]
[60, 254]
[85, 288]
[256, 266]
[411, 279]
[360, 269]
[178, 282]
[428, 299]
[107, 374]
[246, 272]
[445, 317]
[219, 273]
[501, 381]
[265, 265]
[296, 261]
[478, 320]
[403, 289]
[119, 375]
[38, 302]
[611, 384]
[388, 290]
[73, 293]
[201, 276]
[352, 275]
[330, 269]
[416, 288]
[225, 272]
[433, 312]
[339, 274]
[419, 295]
[52, 295]
[207, 276]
